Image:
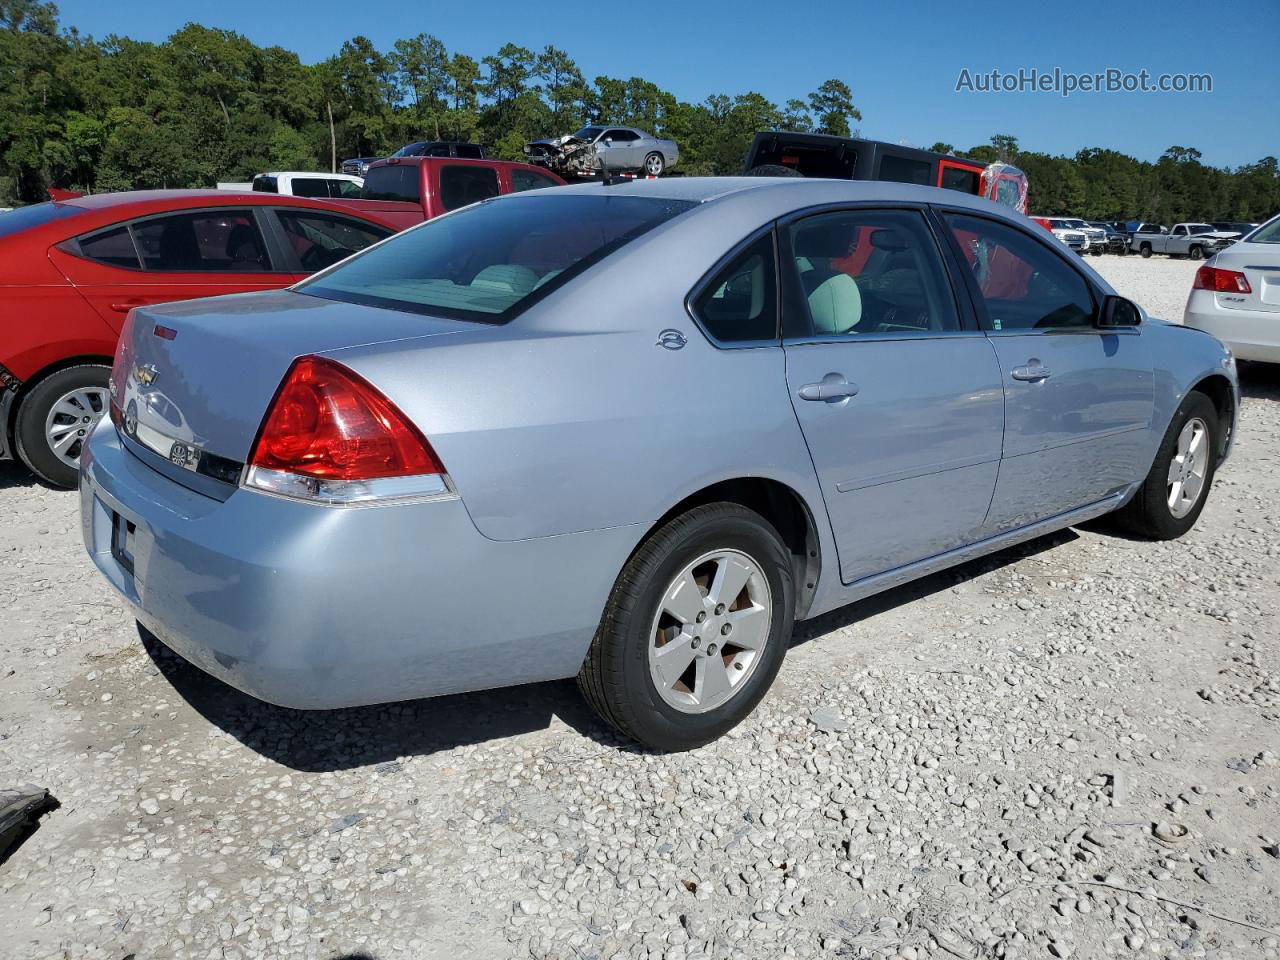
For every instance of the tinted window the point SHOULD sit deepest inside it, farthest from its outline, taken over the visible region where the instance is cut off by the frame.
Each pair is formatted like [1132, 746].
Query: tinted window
[589, 133]
[490, 261]
[871, 272]
[622, 136]
[221, 240]
[462, 186]
[1025, 285]
[36, 215]
[966, 181]
[905, 170]
[321, 240]
[265, 184]
[836, 161]
[309, 187]
[410, 150]
[469, 151]
[344, 188]
[741, 302]
[529, 180]
[393, 182]
[113, 247]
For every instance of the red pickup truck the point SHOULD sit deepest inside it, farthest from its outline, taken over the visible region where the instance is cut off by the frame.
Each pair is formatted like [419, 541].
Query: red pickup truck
[403, 191]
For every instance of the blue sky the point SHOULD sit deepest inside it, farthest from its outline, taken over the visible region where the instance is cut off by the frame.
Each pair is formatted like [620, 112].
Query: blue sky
[903, 68]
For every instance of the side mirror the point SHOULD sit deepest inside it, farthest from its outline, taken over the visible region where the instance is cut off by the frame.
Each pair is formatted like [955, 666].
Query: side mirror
[1119, 312]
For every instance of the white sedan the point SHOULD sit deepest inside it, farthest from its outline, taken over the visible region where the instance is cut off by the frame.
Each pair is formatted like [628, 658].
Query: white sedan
[1236, 295]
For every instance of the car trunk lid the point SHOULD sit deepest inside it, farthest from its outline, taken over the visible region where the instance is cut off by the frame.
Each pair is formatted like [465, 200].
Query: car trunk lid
[192, 381]
[1260, 264]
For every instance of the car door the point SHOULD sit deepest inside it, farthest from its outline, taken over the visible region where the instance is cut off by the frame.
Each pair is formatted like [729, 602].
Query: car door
[171, 256]
[620, 148]
[1078, 398]
[898, 396]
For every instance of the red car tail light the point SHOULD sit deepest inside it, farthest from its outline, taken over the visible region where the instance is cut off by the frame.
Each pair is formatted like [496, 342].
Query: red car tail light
[329, 435]
[1221, 281]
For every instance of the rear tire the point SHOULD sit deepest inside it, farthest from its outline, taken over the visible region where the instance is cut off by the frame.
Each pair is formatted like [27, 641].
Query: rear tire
[654, 164]
[1162, 509]
[56, 418]
[718, 676]
[1145, 250]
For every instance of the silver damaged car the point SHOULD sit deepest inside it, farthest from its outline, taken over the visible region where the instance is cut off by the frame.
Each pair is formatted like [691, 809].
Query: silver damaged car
[629, 433]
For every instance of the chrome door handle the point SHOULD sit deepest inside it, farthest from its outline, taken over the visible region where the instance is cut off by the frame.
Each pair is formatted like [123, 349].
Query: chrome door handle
[1033, 370]
[831, 389]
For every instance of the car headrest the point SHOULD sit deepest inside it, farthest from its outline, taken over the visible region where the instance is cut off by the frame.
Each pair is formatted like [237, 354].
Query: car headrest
[889, 238]
[818, 239]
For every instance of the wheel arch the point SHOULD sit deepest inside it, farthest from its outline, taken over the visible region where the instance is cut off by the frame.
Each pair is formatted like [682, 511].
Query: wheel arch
[778, 503]
[1219, 390]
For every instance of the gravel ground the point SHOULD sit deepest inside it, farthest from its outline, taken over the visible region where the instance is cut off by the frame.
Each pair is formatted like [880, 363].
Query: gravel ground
[970, 766]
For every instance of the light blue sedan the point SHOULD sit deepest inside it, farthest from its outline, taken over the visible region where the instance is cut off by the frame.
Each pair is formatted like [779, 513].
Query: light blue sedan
[630, 433]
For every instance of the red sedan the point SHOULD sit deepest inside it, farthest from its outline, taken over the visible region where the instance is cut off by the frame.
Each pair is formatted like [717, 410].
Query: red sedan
[72, 269]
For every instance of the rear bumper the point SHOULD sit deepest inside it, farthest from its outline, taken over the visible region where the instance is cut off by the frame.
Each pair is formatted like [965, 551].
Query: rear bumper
[1251, 334]
[319, 607]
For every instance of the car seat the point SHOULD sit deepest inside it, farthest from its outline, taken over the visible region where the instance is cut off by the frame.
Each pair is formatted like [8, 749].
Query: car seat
[835, 302]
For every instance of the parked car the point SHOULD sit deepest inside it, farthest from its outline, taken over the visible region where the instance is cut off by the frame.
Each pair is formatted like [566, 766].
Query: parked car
[492, 450]
[298, 184]
[1095, 235]
[783, 153]
[71, 270]
[1077, 240]
[593, 149]
[1236, 295]
[1112, 240]
[1234, 226]
[404, 191]
[419, 148]
[1149, 234]
[1194, 240]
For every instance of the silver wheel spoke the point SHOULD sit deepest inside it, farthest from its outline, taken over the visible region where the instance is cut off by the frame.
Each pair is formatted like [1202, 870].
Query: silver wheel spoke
[65, 442]
[1175, 495]
[750, 628]
[684, 600]
[673, 659]
[711, 684]
[731, 577]
[1191, 488]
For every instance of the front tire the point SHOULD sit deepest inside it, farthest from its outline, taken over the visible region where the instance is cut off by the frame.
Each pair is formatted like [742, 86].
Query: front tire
[1196, 253]
[694, 631]
[56, 418]
[654, 164]
[1171, 498]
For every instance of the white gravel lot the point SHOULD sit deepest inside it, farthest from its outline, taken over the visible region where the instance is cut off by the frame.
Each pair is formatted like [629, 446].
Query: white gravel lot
[970, 766]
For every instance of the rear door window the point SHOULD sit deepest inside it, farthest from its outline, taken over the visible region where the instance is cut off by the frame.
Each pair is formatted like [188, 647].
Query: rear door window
[958, 178]
[740, 304]
[905, 170]
[469, 151]
[265, 184]
[462, 186]
[310, 187]
[113, 247]
[226, 241]
[393, 182]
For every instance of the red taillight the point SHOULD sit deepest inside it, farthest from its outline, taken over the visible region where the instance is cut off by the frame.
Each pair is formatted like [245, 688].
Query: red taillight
[328, 424]
[1221, 281]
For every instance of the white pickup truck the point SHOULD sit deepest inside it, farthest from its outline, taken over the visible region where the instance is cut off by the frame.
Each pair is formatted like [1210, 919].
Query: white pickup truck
[1194, 240]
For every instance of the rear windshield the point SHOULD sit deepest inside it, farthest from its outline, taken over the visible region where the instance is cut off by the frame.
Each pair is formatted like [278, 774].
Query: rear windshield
[1269, 232]
[36, 215]
[490, 261]
[393, 182]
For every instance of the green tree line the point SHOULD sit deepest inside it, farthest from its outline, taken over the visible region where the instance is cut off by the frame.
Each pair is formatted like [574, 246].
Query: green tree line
[208, 105]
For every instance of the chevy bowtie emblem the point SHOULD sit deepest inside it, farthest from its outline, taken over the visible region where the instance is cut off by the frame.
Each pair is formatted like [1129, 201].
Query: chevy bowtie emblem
[671, 339]
[146, 374]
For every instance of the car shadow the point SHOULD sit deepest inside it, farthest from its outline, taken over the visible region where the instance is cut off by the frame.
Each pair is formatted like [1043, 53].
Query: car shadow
[1259, 381]
[329, 740]
[14, 473]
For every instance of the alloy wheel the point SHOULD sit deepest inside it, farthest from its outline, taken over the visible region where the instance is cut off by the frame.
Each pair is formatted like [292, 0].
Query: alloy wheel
[710, 631]
[1187, 468]
[71, 419]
